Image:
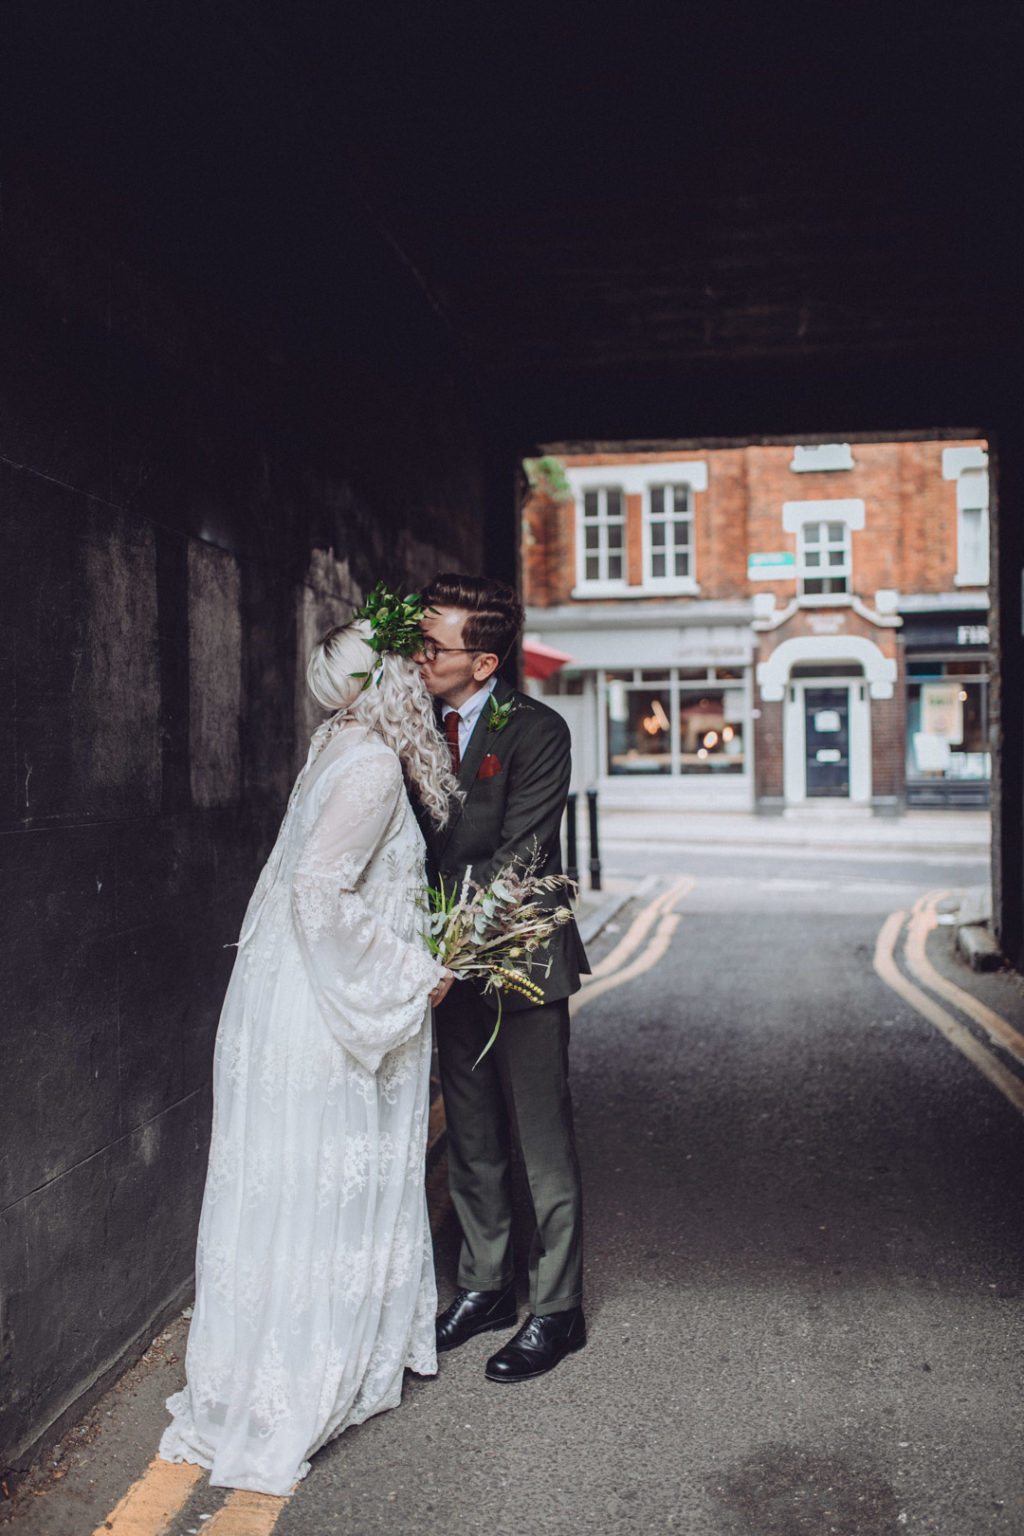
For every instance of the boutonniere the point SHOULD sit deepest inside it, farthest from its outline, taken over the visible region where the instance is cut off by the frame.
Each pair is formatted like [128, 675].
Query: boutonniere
[498, 714]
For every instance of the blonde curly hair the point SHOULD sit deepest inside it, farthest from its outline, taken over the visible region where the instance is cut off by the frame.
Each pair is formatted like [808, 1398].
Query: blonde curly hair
[395, 704]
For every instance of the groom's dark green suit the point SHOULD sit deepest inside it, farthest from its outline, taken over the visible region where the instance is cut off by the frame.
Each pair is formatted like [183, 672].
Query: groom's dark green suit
[515, 779]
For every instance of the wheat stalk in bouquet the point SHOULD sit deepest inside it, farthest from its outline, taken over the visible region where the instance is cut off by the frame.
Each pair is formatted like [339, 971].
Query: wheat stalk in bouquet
[496, 933]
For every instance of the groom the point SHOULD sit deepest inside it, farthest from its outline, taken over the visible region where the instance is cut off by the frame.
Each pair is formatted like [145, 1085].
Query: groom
[512, 758]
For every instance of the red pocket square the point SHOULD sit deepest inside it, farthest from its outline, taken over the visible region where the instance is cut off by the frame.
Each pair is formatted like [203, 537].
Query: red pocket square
[489, 767]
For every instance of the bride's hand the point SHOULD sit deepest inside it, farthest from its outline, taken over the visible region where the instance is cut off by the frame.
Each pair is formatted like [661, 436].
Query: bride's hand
[440, 992]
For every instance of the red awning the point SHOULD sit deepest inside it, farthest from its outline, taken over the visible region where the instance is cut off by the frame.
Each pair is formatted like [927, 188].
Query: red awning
[542, 660]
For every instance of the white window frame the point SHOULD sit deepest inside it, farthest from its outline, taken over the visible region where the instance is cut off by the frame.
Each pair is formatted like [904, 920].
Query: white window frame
[969, 468]
[602, 582]
[796, 515]
[670, 582]
[825, 547]
[632, 480]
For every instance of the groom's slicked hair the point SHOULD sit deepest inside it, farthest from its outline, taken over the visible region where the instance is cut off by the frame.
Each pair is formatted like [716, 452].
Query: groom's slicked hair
[494, 614]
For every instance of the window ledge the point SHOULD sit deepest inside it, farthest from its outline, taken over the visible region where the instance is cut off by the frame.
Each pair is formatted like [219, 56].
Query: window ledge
[601, 589]
[649, 589]
[683, 586]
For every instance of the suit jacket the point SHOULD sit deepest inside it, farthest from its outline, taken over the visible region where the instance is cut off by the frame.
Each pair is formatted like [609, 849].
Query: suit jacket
[515, 780]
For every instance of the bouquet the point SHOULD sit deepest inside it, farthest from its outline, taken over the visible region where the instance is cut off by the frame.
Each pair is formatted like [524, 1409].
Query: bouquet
[494, 933]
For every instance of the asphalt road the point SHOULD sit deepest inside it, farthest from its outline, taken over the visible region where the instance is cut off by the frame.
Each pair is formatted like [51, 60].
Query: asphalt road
[805, 1256]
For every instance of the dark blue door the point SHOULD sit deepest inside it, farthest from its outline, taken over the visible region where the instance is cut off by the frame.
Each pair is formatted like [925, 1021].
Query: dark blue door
[827, 717]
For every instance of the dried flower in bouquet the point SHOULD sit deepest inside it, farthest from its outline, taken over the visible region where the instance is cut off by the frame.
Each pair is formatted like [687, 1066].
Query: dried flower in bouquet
[496, 934]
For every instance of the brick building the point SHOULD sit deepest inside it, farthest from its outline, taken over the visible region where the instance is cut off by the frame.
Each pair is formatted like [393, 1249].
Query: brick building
[764, 626]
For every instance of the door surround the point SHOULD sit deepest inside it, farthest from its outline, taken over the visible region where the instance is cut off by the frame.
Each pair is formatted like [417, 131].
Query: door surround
[795, 739]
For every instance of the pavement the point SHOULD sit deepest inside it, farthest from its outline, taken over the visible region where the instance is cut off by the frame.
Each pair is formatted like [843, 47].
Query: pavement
[851, 829]
[805, 826]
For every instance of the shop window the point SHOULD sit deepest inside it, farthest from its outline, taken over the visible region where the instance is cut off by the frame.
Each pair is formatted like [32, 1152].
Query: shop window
[668, 535]
[563, 685]
[639, 730]
[947, 721]
[824, 558]
[675, 728]
[602, 554]
[710, 732]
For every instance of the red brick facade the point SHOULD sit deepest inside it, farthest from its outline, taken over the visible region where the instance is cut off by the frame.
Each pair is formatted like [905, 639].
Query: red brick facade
[880, 521]
[908, 543]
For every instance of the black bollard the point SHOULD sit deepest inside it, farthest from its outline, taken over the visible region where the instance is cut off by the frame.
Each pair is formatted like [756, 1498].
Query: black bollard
[595, 852]
[571, 864]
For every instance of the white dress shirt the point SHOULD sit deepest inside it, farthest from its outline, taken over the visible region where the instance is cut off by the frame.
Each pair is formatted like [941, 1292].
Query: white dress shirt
[469, 713]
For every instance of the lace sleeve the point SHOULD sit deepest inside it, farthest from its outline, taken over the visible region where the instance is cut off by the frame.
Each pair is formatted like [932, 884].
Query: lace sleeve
[372, 986]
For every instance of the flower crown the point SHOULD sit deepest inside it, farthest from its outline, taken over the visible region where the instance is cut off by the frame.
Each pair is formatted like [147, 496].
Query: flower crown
[394, 625]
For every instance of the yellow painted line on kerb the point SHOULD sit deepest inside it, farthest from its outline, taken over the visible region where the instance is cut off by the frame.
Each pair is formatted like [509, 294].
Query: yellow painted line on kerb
[1011, 1087]
[245, 1514]
[639, 929]
[151, 1504]
[617, 967]
[923, 919]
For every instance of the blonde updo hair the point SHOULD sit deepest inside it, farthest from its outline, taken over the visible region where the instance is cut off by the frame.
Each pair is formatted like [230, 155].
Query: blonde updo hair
[396, 705]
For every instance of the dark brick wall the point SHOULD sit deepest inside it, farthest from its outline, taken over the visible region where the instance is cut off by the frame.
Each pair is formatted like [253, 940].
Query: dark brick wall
[186, 502]
[769, 785]
[1006, 728]
[888, 737]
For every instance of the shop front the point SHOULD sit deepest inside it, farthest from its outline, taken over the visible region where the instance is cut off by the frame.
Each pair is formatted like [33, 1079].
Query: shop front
[658, 711]
[829, 718]
[947, 658]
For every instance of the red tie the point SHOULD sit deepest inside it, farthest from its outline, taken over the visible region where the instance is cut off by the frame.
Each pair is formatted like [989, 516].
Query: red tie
[451, 733]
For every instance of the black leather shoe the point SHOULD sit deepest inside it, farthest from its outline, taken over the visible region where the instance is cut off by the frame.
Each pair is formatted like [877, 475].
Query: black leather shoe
[475, 1312]
[540, 1344]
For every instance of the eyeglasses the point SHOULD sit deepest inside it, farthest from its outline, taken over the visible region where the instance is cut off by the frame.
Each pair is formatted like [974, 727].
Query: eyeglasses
[431, 650]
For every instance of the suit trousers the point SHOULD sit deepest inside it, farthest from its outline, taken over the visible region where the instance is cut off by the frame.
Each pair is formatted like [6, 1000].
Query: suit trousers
[520, 1089]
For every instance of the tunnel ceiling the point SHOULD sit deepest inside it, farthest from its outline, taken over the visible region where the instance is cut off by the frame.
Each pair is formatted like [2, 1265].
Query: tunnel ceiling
[632, 191]
[658, 181]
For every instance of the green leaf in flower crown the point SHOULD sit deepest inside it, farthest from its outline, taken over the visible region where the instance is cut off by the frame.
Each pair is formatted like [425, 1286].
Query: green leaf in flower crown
[394, 621]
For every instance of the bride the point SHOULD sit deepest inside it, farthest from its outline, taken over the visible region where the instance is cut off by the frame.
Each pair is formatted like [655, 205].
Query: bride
[314, 1274]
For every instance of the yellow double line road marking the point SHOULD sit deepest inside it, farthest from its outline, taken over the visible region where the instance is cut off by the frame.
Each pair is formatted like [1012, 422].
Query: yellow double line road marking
[619, 966]
[161, 1493]
[923, 919]
[151, 1504]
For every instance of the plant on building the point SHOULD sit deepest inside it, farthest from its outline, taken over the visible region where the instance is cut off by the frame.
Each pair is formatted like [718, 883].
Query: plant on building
[547, 477]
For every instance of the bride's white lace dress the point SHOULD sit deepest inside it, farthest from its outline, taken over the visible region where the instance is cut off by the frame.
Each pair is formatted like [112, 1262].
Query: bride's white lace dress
[314, 1275]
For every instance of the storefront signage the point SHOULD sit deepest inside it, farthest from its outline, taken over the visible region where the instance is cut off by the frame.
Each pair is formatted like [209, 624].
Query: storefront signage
[972, 634]
[778, 566]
